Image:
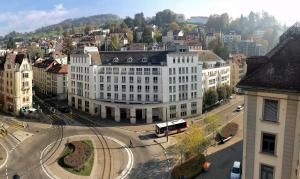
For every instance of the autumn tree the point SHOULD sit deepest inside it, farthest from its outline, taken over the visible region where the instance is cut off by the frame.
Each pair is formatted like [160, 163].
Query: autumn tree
[88, 28]
[174, 26]
[212, 122]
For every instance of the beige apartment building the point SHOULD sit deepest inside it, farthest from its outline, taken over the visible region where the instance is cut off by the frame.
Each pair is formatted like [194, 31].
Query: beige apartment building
[271, 148]
[50, 78]
[16, 83]
[238, 68]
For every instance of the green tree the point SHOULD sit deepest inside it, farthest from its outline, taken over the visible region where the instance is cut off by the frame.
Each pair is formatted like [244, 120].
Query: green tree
[114, 44]
[164, 17]
[210, 97]
[219, 48]
[222, 94]
[34, 52]
[229, 90]
[139, 20]
[147, 35]
[11, 43]
[129, 22]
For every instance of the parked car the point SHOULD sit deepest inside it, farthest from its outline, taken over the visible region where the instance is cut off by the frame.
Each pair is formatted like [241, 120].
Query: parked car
[239, 108]
[235, 170]
[16, 177]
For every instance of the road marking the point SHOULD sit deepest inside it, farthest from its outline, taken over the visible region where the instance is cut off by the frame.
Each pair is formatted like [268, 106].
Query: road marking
[124, 173]
[7, 155]
[130, 162]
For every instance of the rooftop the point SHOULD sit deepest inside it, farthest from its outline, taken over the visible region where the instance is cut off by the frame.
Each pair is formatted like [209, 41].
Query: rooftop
[279, 71]
[133, 57]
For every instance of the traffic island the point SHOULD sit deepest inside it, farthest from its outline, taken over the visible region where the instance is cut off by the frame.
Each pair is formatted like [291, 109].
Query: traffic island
[82, 157]
[78, 157]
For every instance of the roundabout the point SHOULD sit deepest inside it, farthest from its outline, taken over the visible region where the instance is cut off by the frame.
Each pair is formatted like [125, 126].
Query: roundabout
[101, 166]
[37, 156]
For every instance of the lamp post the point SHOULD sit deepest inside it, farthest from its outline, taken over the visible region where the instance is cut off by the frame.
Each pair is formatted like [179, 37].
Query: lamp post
[167, 125]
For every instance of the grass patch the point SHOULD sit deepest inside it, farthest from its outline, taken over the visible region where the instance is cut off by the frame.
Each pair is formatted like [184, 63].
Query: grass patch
[88, 166]
[190, 168]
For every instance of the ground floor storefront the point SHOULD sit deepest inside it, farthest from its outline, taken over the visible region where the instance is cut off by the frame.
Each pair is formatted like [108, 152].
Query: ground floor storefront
[137, 113]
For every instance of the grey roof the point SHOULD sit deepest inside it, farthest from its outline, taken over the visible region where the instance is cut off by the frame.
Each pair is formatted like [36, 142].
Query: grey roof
[133, 57]
[279, 72]
[208, 55]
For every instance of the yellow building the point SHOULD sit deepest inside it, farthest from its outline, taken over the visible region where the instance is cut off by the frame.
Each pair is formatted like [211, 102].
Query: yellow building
[15, 83]
[238, 68]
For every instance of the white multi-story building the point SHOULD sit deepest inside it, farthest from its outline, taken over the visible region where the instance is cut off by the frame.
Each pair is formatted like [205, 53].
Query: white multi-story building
[215, 72]
[136, 86]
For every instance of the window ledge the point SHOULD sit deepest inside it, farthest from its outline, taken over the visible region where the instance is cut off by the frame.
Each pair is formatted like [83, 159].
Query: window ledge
[268, 154]
[270, 122]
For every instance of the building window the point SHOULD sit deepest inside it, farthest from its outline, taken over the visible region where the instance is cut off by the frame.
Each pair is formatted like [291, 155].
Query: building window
[155, 80]
[139, 97]
[155, 89]
[131, 79]
[147, 79]
[116, 96]
[123, 79]
[266, 172]
[108, 95]
[147, 97]
[194, 111]
[268, 143]
[124, 97]
[155, 97]
[131, 88]
[270, 110]
[131, 97]
[123, 88]
[139, 88]
[183, 114]
[139, 79]
[147, 88]
[116, 88]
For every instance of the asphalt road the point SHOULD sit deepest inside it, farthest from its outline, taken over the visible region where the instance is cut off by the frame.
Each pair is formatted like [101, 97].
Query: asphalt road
[149, 159]
[24, 158]
[222, 162]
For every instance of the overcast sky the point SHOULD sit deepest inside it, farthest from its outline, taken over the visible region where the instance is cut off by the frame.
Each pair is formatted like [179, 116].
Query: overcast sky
[28, 15]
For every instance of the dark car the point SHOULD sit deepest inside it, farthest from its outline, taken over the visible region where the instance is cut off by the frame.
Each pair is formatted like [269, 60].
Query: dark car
[64, 109]
[16, 177]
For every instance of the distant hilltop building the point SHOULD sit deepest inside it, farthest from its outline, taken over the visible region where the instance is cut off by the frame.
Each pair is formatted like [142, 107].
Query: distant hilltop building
[198, 20]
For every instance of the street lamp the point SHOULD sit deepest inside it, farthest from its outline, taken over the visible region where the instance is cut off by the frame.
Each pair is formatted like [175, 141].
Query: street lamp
[167, 125]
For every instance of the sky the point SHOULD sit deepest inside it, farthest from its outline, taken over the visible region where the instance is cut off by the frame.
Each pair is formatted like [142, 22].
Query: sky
[28, 15]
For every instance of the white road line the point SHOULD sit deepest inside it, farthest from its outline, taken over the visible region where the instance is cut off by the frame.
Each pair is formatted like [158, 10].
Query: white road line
[7, 155]
[130, 162]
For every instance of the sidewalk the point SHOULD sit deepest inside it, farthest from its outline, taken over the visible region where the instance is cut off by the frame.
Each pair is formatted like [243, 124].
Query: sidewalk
[138, 128]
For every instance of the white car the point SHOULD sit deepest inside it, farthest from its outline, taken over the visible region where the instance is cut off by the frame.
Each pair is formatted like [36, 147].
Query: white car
[239, 108]
[236, 170]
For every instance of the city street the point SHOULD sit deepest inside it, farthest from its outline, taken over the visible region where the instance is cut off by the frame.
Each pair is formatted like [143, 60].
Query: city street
[149, 158]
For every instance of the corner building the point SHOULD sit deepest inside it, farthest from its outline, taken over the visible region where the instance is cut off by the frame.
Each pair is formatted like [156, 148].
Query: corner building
[134, 86]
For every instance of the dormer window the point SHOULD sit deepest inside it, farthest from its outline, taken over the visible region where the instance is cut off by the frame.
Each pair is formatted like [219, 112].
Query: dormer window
[116, 59]
[144, 59]
[129, 59]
